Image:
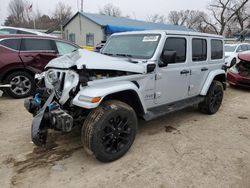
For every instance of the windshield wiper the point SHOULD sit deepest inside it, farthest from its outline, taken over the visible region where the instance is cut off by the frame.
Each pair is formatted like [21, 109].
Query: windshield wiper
[124, 55]
[109, 54]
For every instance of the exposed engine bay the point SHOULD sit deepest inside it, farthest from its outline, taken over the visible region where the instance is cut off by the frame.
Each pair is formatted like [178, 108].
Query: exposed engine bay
[243, 67]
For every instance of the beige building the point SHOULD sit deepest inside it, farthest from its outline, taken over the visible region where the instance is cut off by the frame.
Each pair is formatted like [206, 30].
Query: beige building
[87, 29]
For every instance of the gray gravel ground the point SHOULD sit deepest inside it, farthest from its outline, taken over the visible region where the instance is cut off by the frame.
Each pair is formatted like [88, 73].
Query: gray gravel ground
[184, 149]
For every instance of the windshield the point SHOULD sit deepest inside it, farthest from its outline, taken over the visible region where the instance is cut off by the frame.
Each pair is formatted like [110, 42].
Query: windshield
[229, 48]
[141, 46]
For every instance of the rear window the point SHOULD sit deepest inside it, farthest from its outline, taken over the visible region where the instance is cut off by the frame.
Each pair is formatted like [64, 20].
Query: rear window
[13, 44]
[216, 49]
[37, 45]
[199, 49]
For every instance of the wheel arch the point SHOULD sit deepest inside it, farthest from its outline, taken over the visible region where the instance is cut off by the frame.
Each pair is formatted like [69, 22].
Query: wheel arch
[129, 97]
[125, 91]
[7, 73]
[218, 75]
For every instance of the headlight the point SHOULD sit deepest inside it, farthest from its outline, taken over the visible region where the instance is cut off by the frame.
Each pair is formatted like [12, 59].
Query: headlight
[40, 76]
[51, 76]
[234, 70]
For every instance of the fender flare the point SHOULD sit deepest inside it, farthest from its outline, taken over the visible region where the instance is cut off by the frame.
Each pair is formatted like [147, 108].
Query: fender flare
[103, 90]
[210, 79]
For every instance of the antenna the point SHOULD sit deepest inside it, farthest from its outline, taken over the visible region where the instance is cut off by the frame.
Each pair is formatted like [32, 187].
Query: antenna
[81, 5]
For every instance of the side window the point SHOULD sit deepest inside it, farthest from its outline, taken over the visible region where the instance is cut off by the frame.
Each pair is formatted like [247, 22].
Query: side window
[64, 48]
[248, 47]
[90, 38]
[239, 49]
[199, 49]
[179, 45]
[24, 32]
[37, 45]
[216, 49]
[72, 37]
[9, 31]
[11, 43]
[244, 47]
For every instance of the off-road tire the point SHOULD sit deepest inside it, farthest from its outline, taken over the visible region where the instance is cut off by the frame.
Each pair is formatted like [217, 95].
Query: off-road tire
[21, 74]
[213, 99]
[97, 131]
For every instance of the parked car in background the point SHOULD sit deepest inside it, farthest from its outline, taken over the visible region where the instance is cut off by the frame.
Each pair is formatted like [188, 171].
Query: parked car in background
[5, 30]
[232, 51]
[239, 74]
[100, 46]
[22, 56]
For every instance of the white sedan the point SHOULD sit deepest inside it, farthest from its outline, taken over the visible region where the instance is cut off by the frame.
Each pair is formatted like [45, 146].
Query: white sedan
[232, 51]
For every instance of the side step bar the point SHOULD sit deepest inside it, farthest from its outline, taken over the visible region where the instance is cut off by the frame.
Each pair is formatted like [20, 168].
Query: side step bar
[156, 112]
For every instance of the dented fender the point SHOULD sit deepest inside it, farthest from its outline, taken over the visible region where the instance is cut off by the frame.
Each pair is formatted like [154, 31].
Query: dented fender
[102, 90]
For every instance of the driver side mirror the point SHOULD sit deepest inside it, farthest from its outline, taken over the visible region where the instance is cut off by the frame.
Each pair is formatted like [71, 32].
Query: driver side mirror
[168, 57]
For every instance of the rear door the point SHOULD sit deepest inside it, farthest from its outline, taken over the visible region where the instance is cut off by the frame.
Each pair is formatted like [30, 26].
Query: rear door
[198, 65]
[36, 53]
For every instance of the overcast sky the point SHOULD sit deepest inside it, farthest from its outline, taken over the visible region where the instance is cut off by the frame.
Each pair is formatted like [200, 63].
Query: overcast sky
[139, 9]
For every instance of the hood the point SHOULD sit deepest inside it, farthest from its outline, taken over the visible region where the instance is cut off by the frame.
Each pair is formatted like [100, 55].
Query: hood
[92, 60]
[245, 57]
[229, 53]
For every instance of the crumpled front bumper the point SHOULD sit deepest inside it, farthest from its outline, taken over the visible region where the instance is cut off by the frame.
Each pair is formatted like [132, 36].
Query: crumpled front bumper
[47, 116]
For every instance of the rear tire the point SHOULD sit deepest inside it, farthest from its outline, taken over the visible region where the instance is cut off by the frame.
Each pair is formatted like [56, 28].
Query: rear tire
[22, 84]
[109, 131]
[213, 99]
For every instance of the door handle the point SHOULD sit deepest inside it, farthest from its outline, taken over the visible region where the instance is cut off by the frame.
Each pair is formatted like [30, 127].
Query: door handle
[204, 69]
[185, 72]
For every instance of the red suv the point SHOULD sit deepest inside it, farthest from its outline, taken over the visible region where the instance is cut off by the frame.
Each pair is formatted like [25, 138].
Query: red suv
[22, 56]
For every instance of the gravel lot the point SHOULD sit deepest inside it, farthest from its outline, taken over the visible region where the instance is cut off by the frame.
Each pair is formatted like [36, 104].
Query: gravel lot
[184, 149]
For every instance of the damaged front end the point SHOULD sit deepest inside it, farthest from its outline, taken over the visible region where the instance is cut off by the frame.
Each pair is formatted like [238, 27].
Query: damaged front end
[50, 105]
[53, 106]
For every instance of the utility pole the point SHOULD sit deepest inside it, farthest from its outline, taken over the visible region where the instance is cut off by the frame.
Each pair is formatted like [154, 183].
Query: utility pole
[81, 5]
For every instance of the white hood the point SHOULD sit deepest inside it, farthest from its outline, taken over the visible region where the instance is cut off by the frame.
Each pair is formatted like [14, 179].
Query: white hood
[93, 60]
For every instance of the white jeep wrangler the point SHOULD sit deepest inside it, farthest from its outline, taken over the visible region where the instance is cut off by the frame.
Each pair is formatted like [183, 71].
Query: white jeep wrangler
[143, 74]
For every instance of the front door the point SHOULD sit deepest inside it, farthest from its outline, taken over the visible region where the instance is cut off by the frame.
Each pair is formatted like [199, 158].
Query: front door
[172, 81]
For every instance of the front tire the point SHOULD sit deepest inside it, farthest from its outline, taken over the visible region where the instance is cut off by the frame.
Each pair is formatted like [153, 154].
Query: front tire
[213, 99]
[22, 84]
[109, 130]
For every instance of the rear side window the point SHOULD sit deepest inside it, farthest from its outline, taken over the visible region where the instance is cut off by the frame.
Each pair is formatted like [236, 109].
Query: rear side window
[9, 31]
[244, 47]
[179, 45]
[24, 32]
[64, 48]
[199, 49]
[216, 49]
[13, 44]
[37, 45]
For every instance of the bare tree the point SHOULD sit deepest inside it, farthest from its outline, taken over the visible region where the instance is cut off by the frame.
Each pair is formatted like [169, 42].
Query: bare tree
[178, 17]
[192, 19]
[62, 13]
[157, 18]
[111, 10]
[241, 15]
[18, 13]
[223, 11]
